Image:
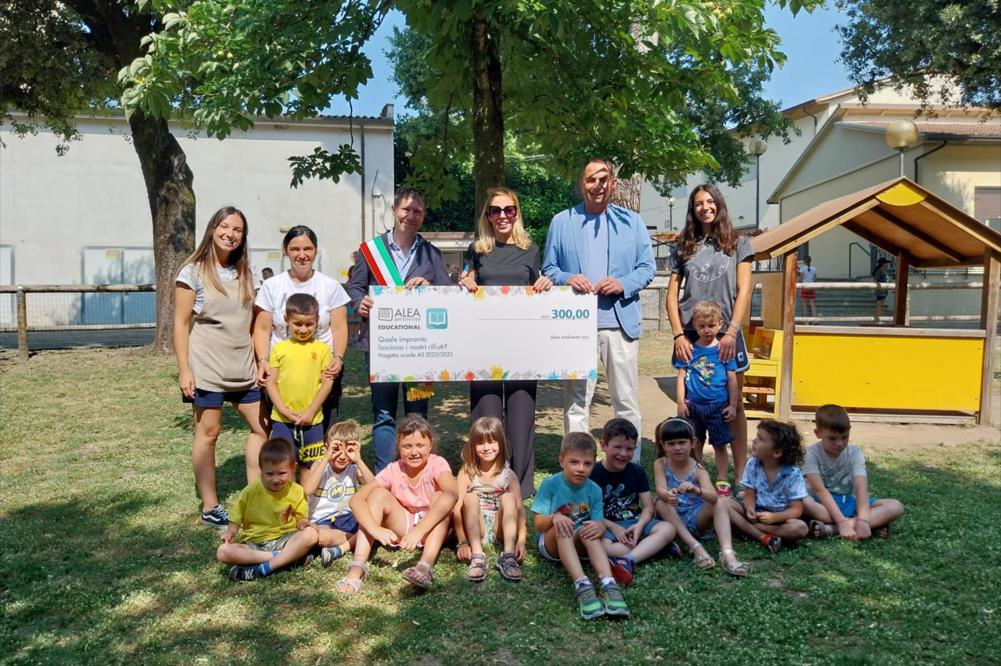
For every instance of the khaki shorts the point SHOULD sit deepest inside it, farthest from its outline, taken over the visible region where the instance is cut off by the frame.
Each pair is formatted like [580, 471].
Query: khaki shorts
[270, 545]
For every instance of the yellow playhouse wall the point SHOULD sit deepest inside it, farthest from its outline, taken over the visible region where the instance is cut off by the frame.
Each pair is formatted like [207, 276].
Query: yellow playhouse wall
[887, 372]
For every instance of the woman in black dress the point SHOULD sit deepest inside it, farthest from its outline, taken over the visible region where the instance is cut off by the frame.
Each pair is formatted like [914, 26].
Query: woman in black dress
[503, 255]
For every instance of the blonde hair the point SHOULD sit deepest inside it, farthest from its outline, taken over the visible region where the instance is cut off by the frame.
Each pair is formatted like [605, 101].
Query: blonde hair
[707, 311]
[238, 258]
[484, 429]
[485, 241]
[343, 431]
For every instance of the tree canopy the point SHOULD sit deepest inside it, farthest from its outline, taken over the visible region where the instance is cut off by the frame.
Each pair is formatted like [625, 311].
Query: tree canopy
[654, 86]
[938, 47]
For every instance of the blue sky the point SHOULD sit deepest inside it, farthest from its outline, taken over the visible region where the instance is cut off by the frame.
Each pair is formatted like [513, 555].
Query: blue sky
[808, 40]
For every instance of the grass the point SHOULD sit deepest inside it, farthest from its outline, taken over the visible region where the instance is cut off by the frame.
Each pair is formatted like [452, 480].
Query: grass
[103, 560]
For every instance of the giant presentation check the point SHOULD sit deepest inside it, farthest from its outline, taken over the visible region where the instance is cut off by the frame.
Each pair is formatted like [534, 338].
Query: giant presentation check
[451, 334]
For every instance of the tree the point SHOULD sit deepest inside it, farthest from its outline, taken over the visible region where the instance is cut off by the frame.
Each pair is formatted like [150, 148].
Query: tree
[212, 64]
[541, 192]
[571, 78]
[939, 47]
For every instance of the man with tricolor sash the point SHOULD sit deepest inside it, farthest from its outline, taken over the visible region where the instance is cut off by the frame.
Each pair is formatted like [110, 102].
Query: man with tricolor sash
[399, 257]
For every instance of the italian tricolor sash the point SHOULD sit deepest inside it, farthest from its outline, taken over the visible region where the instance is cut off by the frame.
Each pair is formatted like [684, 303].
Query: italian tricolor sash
[384, 271]
[380, 263]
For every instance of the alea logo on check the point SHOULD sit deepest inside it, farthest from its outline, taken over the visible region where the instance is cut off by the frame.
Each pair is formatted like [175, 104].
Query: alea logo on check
[437, 318]
[399, 314]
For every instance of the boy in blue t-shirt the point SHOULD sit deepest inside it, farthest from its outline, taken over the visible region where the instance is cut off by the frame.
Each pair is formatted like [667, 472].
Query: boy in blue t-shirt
[707, 394]
[568, 524]
[632, 533]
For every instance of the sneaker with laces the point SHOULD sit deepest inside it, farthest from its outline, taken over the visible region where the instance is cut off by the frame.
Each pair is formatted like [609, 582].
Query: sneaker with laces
[622, 570]
[611, 599]
[243, 574]
[216, 517]
[588, 602]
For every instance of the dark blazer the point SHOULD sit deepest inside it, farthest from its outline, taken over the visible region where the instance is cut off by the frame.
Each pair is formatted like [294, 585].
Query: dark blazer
[428, 264]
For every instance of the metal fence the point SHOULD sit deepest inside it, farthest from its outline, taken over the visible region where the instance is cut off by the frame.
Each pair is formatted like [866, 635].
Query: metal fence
[62, 316]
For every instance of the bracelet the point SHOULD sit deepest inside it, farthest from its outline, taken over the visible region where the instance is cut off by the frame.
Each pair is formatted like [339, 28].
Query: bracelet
[679, 335]
[263, 360]
[462, 543]
[731, 334]
[339, 358]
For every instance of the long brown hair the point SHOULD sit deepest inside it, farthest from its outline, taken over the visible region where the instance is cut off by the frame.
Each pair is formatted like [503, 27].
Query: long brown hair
[238, 258]
[483, 429]
[722, 230]
[485, 241]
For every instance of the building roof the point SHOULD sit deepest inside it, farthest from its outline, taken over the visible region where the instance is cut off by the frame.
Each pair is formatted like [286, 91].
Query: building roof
[974, 130]
[897, 216]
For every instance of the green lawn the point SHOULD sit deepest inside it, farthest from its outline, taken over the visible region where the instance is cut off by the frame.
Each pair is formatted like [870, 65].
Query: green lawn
[104, 562]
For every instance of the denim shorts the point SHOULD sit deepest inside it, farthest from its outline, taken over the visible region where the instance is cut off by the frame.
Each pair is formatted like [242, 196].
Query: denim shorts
[846, 504]
[344, 522]
[540, 542]
[216, 399]
[626, 524]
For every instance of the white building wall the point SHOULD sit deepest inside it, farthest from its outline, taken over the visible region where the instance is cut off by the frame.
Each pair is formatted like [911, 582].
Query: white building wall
[52, 207]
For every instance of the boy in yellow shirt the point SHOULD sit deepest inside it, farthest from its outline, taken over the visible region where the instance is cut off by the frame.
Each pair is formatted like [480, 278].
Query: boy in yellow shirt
[297, 386]
[272, 514]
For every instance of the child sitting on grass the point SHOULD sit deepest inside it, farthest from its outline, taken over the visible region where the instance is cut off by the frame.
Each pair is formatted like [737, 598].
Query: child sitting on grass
[297, 385]
[490, 508]
[835, 471]
[408, 506]
[632, 532]
[330, 486]
[774, 488]
[568, 524]
[708, 395]
[272, 514]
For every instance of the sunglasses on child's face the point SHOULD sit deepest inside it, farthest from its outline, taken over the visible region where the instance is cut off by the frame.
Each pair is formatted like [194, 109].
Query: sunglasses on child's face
[493, 212]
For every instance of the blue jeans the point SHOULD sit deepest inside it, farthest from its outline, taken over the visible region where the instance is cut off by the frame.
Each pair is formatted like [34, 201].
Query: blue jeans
[385, 400]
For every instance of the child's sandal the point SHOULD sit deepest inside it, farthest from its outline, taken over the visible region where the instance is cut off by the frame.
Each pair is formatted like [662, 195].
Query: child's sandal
[772, 543]
[417, 577]
[735, 568]
[723, 489]
[507, 563]
[701, 559]
[477, 569]
[353, 583]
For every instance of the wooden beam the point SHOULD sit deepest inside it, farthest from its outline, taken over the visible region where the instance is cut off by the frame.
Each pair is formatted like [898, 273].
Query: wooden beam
[796, 241]
[933, 243]
[901, 298]
[783, 402]
[875, 239]
[969, 229]
[989, 324]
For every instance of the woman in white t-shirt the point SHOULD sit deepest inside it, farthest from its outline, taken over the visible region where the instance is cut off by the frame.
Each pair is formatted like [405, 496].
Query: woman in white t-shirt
[215, 354]
[299, 246]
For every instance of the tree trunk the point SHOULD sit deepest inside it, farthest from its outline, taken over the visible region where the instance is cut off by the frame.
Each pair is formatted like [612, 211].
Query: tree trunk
[488, 117]
[172, 207]
[627, 192]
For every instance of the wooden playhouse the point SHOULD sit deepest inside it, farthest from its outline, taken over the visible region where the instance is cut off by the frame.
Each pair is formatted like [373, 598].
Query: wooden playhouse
[893, 373]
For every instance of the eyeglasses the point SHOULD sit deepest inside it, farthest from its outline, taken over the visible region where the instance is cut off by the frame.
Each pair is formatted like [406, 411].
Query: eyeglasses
[493, 212]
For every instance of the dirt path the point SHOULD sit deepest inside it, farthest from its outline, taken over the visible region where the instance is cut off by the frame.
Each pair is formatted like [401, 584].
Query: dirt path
[657, 403]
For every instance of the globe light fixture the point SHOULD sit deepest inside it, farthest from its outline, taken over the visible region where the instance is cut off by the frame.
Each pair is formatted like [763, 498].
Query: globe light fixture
[901, 135]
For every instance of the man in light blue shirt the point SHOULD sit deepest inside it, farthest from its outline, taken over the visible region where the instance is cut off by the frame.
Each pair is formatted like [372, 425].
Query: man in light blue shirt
[602, 249]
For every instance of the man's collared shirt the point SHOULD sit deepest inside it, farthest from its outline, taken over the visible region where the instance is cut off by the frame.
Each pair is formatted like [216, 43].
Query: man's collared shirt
[402, 259]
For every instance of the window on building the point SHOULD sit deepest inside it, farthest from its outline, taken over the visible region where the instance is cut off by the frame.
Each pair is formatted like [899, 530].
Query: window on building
[987, 206]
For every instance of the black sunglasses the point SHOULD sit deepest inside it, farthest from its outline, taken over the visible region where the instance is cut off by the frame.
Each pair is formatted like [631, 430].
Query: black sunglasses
[493, 212]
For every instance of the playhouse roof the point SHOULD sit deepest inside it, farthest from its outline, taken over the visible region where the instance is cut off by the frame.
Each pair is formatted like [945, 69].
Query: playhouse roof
[896, 216]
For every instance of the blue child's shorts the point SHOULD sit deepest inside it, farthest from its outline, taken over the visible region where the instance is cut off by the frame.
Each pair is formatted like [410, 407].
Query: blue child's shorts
[216, 399]
[308, 440]
[344, 522]
[626, 524]
[709, 418]
[540, 542]
[846, 504]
